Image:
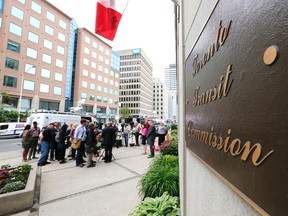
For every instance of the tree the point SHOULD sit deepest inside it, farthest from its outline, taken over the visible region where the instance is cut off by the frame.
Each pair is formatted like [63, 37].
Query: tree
[125, 112]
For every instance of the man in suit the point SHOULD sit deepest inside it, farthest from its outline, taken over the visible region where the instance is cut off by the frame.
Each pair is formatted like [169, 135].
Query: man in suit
[151, 135]
[109, 137]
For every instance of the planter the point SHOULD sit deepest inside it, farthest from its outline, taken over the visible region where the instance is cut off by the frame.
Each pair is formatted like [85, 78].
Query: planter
[19, 200]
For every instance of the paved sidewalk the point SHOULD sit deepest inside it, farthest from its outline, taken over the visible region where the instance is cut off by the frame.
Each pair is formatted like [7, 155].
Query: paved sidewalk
[105, 190]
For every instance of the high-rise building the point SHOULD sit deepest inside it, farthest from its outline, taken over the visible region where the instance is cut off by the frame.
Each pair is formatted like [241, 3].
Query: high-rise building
[171, 77]
[53, 65]
[160, 99]
[96, 83]
[136, 82]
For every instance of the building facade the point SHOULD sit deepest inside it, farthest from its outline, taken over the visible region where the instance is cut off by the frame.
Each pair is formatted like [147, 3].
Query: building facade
[160, 99]
[51, 64]
[171, 83]
[96, 83]
[34, 49]
[171, 77]
[136, 82]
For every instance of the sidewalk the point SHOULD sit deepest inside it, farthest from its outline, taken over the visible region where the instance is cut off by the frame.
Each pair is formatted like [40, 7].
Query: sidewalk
[105, 190]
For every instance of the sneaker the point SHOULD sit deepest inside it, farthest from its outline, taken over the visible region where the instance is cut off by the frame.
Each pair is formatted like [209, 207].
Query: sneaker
[35, 157]
[92, 165]
[150, 156]
[41, 164]
[80, 165]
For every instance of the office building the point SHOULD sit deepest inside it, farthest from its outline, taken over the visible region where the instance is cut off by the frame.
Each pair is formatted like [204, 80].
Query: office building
[171, 77]
[160, 99]
[136, 82]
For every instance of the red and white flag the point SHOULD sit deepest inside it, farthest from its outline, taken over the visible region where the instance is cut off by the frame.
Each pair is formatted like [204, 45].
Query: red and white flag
[108, 16]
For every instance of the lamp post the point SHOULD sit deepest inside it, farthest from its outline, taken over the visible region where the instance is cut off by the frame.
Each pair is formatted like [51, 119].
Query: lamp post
[21, 91]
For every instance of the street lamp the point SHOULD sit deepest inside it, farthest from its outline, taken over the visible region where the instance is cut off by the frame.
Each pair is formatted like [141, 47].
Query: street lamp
[21, 90]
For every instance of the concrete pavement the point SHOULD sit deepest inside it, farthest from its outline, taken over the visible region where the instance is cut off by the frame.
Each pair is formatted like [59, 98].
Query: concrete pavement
[105, 190]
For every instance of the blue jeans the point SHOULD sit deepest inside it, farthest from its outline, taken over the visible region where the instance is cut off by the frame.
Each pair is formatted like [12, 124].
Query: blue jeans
[45, 146]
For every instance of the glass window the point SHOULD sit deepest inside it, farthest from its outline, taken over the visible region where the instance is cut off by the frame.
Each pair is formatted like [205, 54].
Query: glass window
[107, 52]
[116, 92]
[93, 75]
[111, 73]
[62, 24]
[60, 50]
[83, 95]
[31, 53]
[105, 80]
[15, 29]
[86, 50]
[85, 72]
[21, 1]
[110, 100]
[28, 85]
[92, 86]
[46, 58]
[92, 97]
[50, 16]
[0, 22]
[99, 88]
[100, 68]
[116, 75]
[101, 48]
[101, 58]
[105, 90]
[84, 84]
[61, 36]
[30, 69]
[11, 63]
[12, 45]
[34, 22]
[37, 8]
[10, 81]
[45, 73]
[105, 99]
[94, 55]
[59, 63]
[85, 61]
[48, 44]
[87, 39]
[111, 91]
[57, 90]
[58, 76]
[111, 82]
[33, 37]
[116, 84]
[17, 13]
[93, 65]
[94, 44]
[99, 98]
[106, 61]
[44, 88]
[100, 78]
[106, 71]
[49, 30]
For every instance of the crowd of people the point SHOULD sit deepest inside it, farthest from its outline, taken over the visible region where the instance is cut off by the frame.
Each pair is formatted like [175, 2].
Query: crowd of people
[54, 140]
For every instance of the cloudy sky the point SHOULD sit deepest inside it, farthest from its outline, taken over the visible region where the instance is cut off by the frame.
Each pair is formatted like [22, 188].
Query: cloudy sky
[146, 24]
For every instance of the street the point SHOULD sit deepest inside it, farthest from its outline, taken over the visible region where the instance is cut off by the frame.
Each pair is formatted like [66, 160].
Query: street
[10, 148]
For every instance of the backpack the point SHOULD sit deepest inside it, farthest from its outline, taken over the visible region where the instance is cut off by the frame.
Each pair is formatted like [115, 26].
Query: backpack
[57, 137]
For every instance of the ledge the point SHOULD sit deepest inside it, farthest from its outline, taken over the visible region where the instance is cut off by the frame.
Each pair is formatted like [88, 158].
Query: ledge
[19, 200]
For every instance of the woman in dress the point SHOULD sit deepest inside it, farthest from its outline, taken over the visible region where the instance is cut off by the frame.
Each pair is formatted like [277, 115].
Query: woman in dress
[61, 145]
[26, 142]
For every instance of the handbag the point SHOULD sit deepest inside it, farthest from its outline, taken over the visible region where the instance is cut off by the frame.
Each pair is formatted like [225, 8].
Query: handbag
[76, 144]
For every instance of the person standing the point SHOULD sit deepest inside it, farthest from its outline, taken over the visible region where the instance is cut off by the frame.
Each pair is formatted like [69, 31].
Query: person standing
[126, 134]
[72, 152]
[26, 142]
[80, 134]
[90, 145]
[45, 140]
[53, 147]
[61, 146]
[34, 140]
[162, 131]
[143, 132]
[108, 134]
[136, 131]
[151, 135]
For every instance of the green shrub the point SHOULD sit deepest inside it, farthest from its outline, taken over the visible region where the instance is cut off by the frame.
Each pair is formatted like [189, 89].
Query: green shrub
[173, 126]
[160, 206]
[174, 133]
[162, 175]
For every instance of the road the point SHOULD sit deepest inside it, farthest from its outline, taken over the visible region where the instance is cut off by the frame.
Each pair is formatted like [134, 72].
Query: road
[10, 148]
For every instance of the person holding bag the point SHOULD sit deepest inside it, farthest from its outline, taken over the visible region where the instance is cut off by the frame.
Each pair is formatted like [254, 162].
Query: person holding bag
[80, 134]
[90, 145]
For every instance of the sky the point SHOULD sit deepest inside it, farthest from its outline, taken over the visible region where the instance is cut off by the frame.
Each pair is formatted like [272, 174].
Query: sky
[146, 24]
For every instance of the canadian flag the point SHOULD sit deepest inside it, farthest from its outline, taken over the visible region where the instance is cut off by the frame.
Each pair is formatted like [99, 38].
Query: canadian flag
[108, 16]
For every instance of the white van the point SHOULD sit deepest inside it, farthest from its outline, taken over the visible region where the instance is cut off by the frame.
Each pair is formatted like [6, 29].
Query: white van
[45, 118]
[11, 129]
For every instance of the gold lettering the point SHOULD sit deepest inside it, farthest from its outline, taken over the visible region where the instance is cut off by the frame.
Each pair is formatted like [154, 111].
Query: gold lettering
[232, 146]
[210, 136]
[220, 87]
[227, 85]
[220, 142]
